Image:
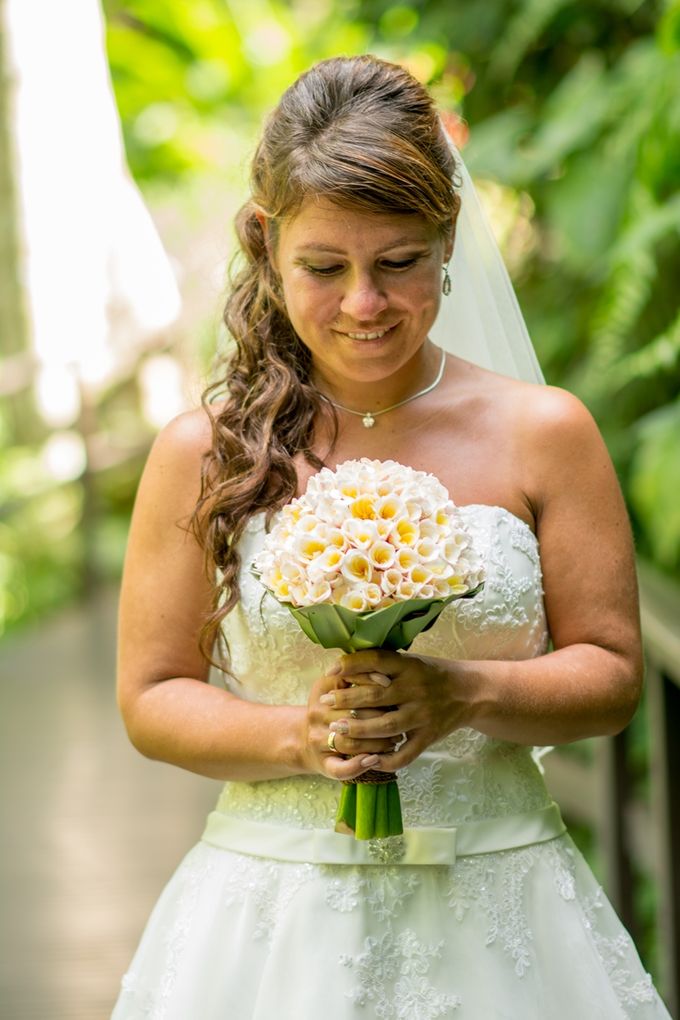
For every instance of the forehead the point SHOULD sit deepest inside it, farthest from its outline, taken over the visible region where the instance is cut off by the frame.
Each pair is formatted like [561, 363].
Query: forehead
[322, 225]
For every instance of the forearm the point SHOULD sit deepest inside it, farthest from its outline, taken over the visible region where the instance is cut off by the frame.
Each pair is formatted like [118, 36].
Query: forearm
[576, 692]
[214, 733]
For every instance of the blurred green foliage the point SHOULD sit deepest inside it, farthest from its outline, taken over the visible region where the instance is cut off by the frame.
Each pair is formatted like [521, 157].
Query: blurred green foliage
[571, 104]
[568, 115]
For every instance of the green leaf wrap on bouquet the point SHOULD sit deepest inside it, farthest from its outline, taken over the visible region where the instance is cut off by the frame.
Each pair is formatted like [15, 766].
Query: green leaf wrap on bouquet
[371, 809]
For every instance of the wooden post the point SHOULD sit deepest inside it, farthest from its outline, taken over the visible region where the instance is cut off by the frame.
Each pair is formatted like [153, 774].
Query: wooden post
[664, 727]
[660, 604]
[612, 758]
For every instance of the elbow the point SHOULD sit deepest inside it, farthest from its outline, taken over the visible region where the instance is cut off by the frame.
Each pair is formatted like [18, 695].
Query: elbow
[139, 732]
[628, 694]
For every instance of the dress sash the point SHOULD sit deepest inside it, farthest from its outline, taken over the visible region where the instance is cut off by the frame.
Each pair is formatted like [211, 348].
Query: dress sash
[428, 846]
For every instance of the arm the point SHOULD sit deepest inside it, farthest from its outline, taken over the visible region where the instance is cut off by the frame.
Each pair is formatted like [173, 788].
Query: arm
[170, 711]
[590, 684]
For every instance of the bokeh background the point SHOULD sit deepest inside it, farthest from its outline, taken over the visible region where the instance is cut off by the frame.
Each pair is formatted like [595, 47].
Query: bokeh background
[125, 135]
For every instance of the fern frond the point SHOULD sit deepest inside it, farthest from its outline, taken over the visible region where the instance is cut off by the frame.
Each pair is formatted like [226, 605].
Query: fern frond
[521, 33]
[659, 355]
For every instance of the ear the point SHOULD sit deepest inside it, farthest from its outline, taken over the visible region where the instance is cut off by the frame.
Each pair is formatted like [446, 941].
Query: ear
[263, 220]
[451, 233]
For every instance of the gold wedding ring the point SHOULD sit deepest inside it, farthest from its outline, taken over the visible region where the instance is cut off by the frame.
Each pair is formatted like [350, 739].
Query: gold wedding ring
[330, 741]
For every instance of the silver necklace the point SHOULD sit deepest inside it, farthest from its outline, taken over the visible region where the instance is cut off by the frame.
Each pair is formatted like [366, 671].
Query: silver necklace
[368, 417]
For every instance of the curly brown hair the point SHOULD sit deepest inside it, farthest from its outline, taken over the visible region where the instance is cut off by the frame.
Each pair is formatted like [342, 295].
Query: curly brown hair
[364, 133]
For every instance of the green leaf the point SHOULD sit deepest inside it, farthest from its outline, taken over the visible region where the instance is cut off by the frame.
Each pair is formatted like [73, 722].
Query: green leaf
[395, 626]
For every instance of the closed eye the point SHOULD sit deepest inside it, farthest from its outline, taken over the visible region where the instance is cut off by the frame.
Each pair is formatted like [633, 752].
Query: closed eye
[389, 264]
[323, 270]
[402, 264]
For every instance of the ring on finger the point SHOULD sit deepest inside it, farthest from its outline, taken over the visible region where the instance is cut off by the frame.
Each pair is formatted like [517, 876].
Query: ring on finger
[403, 737]
[330, 742]
[354, 714]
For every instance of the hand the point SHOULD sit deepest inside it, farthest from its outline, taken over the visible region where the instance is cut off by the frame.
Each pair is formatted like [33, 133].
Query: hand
[352, 756]
[424, 700]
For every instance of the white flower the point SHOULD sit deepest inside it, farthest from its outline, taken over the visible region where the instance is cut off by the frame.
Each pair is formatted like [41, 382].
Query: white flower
[406, 559]
[356, 566]
[307, 546]
[354, 598]
[419, 575]
[405, 532]
[365, 535]
[381, 555]
[330, 561]
[359, 533]
[390, 580]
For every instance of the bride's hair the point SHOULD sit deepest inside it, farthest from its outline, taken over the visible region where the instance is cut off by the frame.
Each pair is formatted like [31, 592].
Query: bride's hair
[364, 133]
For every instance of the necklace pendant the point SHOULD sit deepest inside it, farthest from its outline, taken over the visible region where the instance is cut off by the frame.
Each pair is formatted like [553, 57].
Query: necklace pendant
[368, 420]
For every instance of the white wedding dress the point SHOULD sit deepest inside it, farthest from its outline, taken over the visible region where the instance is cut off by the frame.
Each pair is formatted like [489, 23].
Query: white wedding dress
[260, 921]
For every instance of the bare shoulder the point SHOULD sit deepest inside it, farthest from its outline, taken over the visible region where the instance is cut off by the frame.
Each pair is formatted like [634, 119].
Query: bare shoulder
[171, 482]
[185, 437]
[555, 428]
[551, 411]
[569, 473]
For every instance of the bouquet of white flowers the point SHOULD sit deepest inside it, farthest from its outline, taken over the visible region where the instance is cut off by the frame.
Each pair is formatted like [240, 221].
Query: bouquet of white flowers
[367, 558]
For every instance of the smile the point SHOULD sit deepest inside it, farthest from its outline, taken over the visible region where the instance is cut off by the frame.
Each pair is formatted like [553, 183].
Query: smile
[369, 336]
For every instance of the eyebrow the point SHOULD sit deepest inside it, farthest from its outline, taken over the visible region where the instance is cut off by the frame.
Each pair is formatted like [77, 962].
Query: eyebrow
[399, 242]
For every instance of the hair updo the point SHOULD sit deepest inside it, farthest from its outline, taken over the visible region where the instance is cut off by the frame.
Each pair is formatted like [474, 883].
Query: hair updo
[364, 133]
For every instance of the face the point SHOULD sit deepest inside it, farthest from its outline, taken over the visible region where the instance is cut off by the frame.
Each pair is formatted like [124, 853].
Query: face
[361, 289]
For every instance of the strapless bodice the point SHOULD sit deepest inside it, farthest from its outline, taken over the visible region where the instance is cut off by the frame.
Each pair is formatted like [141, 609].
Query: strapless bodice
[465, 777]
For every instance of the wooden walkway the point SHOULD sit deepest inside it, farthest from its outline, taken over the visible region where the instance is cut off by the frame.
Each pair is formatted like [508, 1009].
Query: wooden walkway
[89, 830]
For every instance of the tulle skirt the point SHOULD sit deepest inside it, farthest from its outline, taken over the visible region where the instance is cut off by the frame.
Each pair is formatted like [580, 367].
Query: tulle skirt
[522, 934]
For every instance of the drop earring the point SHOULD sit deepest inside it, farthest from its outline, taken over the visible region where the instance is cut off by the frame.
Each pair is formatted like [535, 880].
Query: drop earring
[446, 282]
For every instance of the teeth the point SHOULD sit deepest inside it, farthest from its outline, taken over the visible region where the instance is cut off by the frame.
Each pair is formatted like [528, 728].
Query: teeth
[367, 336]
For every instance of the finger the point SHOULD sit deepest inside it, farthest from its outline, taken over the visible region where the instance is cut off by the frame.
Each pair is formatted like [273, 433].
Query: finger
[369, 695]
[365, 713]
[371, 660]
[407, 753]
[349, 768]
[359, 679]
[353, 747]
[381, 726]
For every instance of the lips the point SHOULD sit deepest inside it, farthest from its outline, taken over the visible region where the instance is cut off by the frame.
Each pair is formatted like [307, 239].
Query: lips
[374, 334]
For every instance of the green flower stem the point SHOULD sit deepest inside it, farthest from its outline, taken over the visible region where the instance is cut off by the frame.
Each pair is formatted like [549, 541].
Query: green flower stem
[347, 808]
[382, 826]
[395, 823]
[370, 810]
[367, 799]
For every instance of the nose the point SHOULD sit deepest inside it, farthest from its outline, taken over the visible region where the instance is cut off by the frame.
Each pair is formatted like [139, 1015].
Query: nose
[364, 299]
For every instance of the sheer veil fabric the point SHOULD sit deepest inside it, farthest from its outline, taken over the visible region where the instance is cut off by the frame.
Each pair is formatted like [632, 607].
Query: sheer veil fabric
[481, 320]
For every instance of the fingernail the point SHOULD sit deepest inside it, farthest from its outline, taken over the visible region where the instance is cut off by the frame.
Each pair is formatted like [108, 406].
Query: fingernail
[380, 678]
[341, 726]
[334, 670]
[327, 699]
[369, 760]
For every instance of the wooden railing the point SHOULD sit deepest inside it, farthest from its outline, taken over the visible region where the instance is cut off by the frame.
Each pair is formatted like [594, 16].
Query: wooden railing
[637, 838]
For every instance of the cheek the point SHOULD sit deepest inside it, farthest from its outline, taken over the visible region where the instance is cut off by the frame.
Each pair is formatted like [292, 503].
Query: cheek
[309, 303]
[424, 293]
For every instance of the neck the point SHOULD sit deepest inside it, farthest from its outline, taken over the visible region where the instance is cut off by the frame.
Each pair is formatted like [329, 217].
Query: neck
[419, 372]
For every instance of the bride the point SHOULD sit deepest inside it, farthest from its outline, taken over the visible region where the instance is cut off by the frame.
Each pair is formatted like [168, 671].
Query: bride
[361, 234]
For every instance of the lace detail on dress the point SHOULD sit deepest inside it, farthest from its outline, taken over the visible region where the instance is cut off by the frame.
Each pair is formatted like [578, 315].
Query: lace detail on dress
[260, 880]
[309, 802]
[385, 892]
[193, 874]
[393, 978]
[615, 954]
